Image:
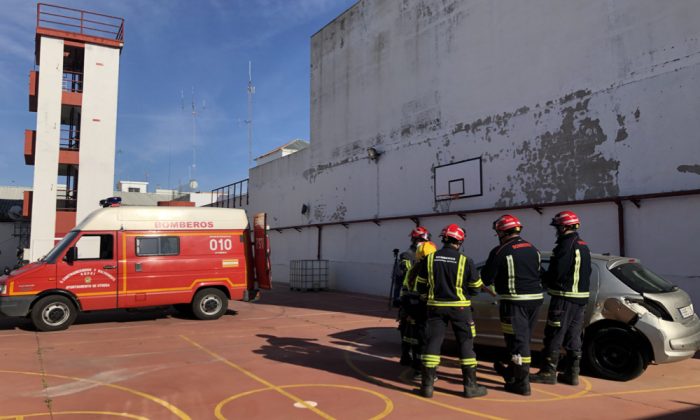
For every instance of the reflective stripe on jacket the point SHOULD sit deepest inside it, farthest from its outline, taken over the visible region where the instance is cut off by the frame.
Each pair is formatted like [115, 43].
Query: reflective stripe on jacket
[569, 271]
[446, 277]
[514, 268]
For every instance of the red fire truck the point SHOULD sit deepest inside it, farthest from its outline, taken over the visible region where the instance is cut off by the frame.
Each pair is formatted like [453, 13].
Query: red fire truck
[195, 258]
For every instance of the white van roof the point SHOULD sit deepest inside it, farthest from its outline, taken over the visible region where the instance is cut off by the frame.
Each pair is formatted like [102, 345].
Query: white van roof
[164, 218]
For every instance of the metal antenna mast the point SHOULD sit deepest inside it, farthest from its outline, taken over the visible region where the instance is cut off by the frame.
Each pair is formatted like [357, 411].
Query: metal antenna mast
[249, 121]
[193, 184]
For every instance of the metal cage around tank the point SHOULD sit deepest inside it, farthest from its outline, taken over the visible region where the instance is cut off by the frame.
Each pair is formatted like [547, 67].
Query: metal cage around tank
[308, 275]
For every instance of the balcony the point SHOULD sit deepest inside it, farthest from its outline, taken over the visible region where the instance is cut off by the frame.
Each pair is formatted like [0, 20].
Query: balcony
[33, 89]
[72, 85]
[29, 146]
[79, 25]
[66, 200]
[28, 196]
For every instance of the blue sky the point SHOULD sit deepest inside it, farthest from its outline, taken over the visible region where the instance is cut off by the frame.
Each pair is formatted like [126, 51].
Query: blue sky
[176, 45]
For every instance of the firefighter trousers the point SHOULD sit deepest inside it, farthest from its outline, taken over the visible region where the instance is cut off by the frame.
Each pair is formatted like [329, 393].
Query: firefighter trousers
[564, 325]
[517, 323]
[463, 326]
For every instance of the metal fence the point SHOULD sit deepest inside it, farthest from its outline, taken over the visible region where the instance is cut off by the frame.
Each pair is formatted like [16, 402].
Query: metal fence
[231, 196]
[305, 275]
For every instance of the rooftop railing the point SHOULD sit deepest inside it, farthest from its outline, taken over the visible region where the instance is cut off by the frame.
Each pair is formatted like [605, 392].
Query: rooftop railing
[79, 21]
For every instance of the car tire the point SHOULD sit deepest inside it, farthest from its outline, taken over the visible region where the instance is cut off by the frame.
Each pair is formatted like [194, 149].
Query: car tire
[614, 353]
[209, 303]
[53, 313]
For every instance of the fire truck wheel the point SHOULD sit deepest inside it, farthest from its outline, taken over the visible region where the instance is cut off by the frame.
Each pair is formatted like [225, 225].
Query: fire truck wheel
[209, 304]
[53, 313]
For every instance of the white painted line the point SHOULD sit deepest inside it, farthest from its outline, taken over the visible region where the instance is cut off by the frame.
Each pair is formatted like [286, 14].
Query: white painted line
[309, 403]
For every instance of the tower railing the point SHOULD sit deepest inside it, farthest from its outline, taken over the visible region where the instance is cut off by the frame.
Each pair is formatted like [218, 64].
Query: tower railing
[70, 139]
[72, 81]
[83, 22]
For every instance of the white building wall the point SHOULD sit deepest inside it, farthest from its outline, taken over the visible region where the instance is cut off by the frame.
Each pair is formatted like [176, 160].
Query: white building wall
[48, 131]
[98, 127]
[561, 100]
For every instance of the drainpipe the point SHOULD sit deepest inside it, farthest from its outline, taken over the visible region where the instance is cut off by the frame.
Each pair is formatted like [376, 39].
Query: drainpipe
[621, 226]
[318, 242]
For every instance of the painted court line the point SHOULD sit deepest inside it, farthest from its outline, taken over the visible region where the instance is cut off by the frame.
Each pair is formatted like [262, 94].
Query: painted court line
[257, 378]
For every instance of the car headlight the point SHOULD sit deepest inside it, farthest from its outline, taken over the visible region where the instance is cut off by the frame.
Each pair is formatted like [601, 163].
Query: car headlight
[650, 307]
[3, 288]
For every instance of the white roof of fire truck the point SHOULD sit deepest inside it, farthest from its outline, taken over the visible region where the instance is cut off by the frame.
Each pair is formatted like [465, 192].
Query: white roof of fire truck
[164, 218]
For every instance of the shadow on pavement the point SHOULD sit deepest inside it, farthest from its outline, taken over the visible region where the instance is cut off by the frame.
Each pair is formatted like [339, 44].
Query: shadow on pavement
[115, 315]
[370, 355]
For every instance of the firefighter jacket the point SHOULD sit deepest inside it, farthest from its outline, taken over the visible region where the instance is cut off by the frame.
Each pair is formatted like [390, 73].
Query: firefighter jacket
[514, 267]
[446, 277]
[406, 261]
[569, 271]
[422, 250]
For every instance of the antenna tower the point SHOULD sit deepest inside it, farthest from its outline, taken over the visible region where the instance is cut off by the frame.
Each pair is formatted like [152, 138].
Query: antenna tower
[193, 184]
[249, 121]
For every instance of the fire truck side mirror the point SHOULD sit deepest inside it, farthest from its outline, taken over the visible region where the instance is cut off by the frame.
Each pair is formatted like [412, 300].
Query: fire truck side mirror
[71, 255]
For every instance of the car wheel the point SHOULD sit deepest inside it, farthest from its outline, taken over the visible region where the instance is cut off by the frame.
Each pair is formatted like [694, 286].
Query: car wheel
[209, 304]
[53, 313]
[614, 353]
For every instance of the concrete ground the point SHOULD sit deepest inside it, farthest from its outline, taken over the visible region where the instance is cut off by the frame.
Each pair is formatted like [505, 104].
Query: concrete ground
[291, 355]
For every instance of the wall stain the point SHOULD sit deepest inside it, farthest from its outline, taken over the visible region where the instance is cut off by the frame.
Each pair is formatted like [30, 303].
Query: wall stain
[636, 115]
[563, 165]
[622, 131]
[695, 169]
[339, 214]
[500, 120]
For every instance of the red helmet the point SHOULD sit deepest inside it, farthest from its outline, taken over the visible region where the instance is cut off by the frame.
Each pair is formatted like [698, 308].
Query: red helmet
[506, 223]
[420, 233]
[565, 218]
[453, 231]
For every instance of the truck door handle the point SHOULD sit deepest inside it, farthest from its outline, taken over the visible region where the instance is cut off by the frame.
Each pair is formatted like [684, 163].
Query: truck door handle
[109, 267]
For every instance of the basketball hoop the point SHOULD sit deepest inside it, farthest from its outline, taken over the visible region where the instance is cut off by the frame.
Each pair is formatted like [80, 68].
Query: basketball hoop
[444, 201]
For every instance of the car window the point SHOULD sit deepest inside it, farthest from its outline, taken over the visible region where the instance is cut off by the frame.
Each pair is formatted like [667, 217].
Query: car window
[95, 247]
[159, 245]
[641, 279]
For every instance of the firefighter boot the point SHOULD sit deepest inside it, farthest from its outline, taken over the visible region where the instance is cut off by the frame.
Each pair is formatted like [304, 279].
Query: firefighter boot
[520, 383]
[548, 372]
[573, 367]
[471, 388]
[503, 369]
[427, 381]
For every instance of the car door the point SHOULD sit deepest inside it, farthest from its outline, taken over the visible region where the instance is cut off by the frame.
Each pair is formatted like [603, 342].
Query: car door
[88, 269]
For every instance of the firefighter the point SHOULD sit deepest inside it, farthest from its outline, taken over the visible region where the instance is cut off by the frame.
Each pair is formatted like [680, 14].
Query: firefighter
[514, 268]
[446, 278]
[411, 318]
[568, 281]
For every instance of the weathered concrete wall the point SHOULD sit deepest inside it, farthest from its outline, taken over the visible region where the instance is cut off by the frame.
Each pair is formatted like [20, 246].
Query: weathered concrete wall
[98, 127]
[562, 101]
[48, 132]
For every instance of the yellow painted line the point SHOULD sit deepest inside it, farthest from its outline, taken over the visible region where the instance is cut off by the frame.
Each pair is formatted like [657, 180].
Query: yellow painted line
[257, 378]
[70, 413]
[642, 391]
[388, 404]
[173, 409]
[346, 356]
[586, 389]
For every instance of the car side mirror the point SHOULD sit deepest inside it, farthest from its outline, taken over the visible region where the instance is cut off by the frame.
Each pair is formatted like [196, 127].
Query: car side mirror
[71, 255]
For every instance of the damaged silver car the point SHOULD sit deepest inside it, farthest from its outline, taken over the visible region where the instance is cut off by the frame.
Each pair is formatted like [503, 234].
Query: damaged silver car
[634, 317]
